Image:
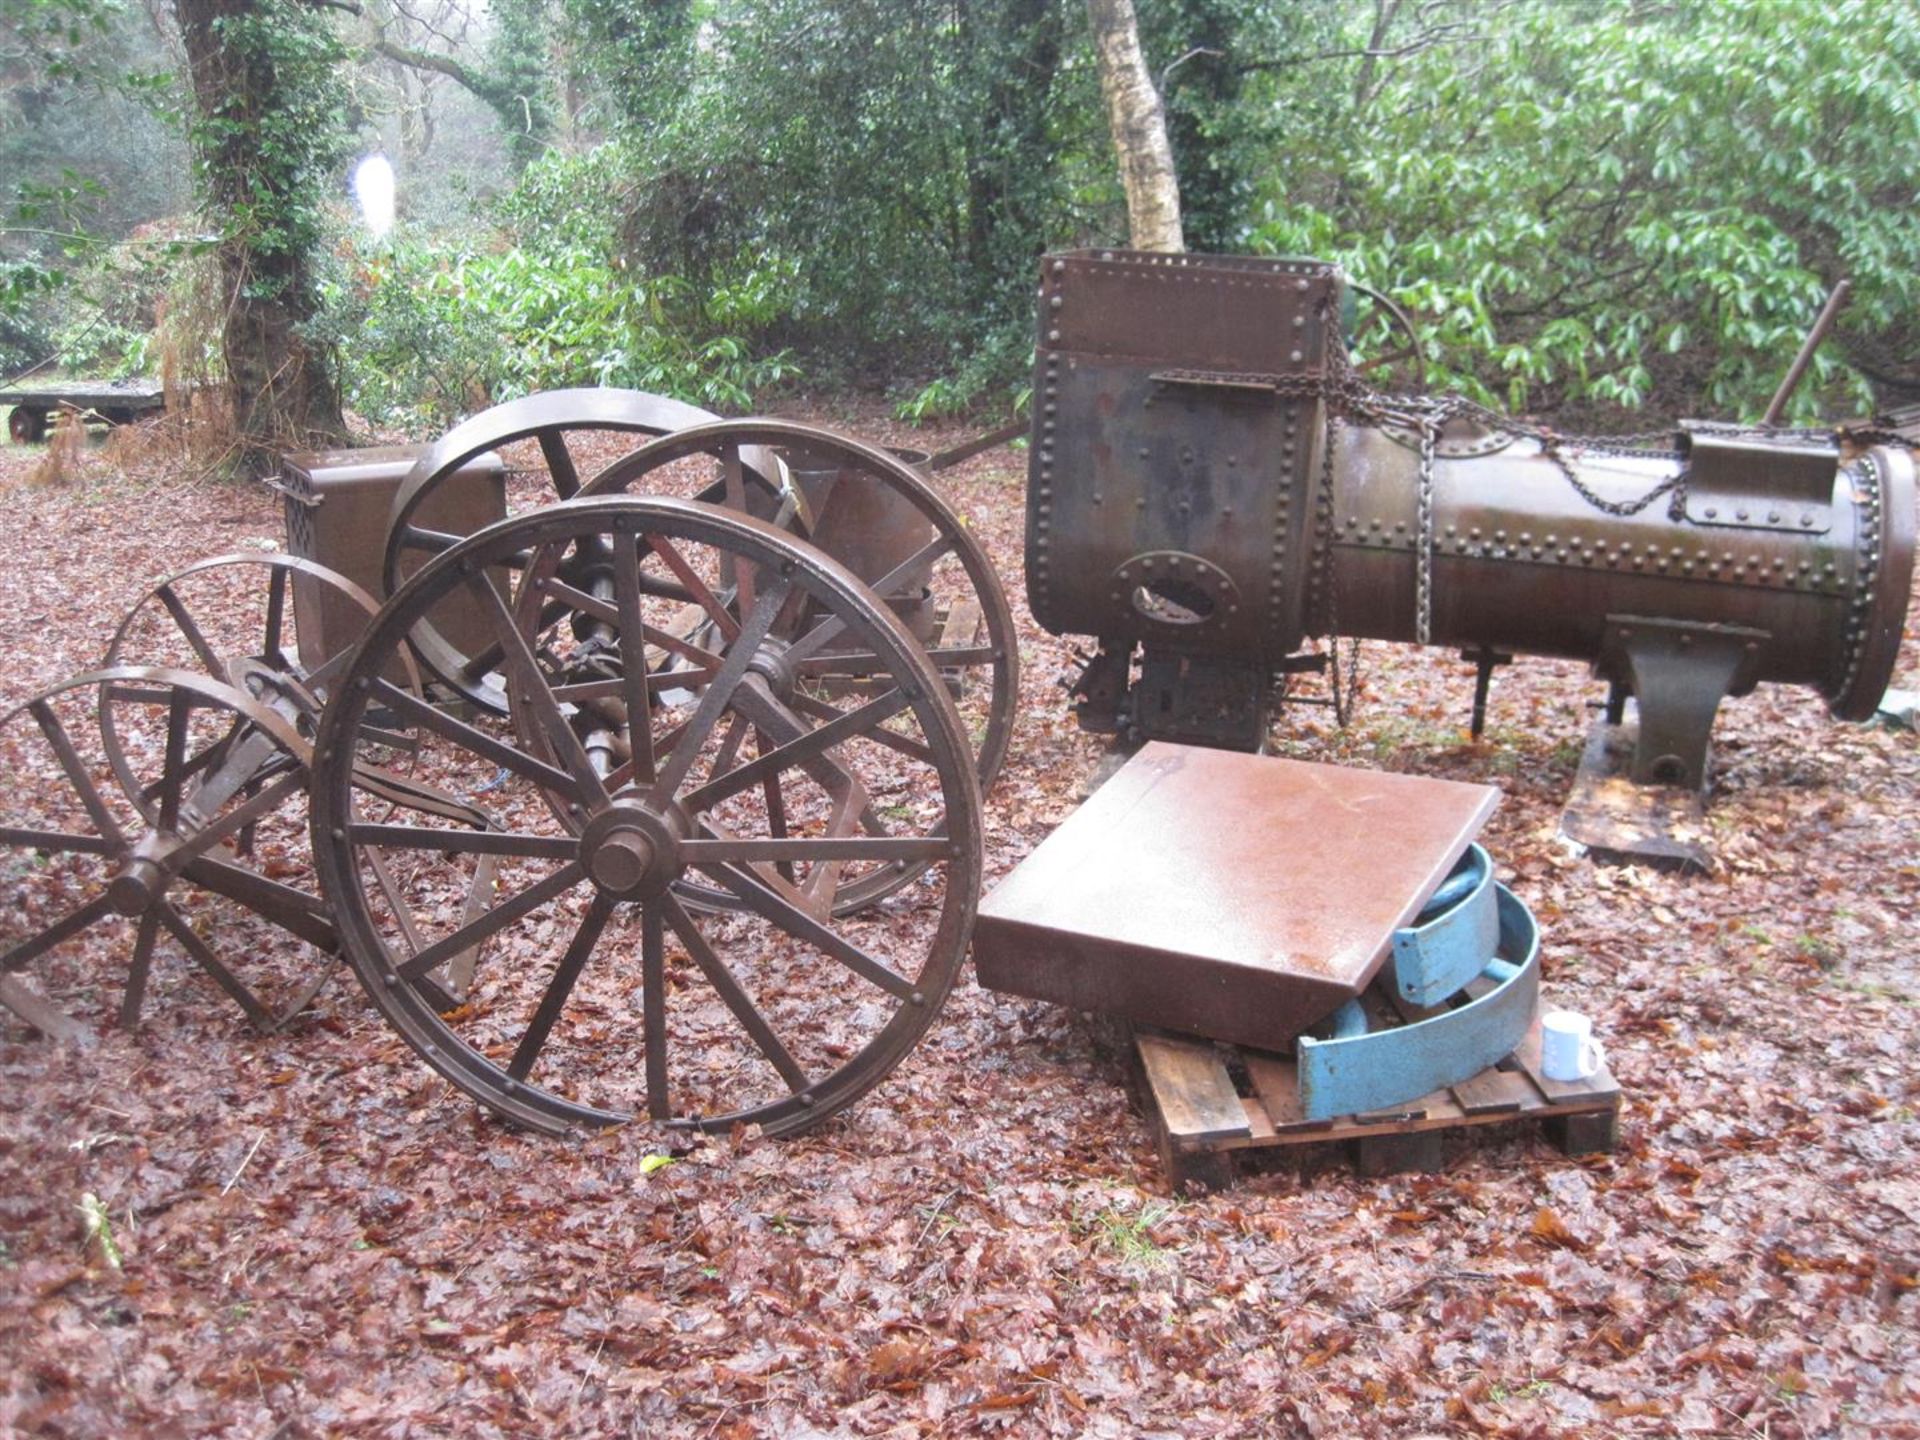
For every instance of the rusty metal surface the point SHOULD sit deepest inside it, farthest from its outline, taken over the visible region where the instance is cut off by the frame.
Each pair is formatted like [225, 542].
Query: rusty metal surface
[1617, 820]
[1178, 509]
[1523, 562]
[1233, 896]
[337, 503]
[1158, 436]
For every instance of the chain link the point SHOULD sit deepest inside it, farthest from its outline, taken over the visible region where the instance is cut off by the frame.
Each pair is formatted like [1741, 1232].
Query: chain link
[1351, 400]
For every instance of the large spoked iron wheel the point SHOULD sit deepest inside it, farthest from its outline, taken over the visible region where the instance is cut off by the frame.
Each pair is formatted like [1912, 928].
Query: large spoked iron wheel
[548, 433]
[877, 516]
[200, 764]
[642, 753]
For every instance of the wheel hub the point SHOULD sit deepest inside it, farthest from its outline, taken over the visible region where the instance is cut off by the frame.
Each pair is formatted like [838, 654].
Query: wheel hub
[771, 663]
[631, 851]
[136, 887]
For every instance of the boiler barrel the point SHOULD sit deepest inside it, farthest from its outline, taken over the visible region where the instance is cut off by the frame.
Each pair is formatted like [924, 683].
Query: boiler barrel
[1813, 554]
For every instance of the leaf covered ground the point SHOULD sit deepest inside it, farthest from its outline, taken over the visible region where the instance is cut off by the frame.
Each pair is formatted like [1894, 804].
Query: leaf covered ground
[315, 1235]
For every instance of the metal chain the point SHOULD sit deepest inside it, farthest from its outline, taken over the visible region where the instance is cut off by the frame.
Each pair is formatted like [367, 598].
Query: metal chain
[1423, 534]
[1322, 573]
[1351, 399]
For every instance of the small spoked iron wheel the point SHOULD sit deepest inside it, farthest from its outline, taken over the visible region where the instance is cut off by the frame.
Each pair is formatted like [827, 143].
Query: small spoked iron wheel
[549, 430]
[233, 618]
[876, 515]
[200, 763]
[644, 755]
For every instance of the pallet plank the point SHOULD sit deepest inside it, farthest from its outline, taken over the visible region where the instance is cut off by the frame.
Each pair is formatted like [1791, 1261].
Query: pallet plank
[1598, 1086]
[1495, 1092]
[1277, 1083]
[960, 626]
[1191, 1089]
[1201, 1123]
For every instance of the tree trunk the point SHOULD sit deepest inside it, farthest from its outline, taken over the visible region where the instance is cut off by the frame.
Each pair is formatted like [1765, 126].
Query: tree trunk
[1139, 126]
[256, 165]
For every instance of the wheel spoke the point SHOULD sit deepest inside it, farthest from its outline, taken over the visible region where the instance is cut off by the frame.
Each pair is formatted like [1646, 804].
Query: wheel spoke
[318, 681]
[183, 620]
[564, 977]
[656, 681]
[294, 911]
[566, 477]
[465, 842]
[523, 668]
[528, 767]
[737, 1000]
[203, 956]
[56, 734]
[495, 920]
[833, 627]
[806, 704]
[396, 902]
[136, 990]
[707, 713]
[867, 719]
[54, 841]
[865, 662]
[34, 946]
[173, 775]
[696, 587]
[276, 615]
[609, 613]
[417, 537]
[633, 656]
[733, 568]
[238, 818]
[925, 558]
[775, 800]
[760, 898]
[730, 744]
[802, 847]
[243, 756]
[653, 1009]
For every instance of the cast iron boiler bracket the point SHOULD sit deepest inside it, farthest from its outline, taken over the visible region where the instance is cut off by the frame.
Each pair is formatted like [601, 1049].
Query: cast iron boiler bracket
[1678, 672]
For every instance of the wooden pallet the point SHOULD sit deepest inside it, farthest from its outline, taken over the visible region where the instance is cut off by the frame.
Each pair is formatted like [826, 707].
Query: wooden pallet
[1209, 1103]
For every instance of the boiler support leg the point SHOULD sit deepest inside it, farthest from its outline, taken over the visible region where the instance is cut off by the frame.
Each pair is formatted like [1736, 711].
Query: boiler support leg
[1678, 672]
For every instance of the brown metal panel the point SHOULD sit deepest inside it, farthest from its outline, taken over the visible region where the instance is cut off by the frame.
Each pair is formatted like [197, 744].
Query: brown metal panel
[1214, 312]
[1234, 896]
[337, 504]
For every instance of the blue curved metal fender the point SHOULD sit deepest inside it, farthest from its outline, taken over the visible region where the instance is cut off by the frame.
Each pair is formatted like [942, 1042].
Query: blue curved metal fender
[1434, 957]
[1353, 1074]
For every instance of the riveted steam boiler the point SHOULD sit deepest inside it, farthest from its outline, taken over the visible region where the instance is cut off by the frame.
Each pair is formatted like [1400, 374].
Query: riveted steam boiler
[1211, 485]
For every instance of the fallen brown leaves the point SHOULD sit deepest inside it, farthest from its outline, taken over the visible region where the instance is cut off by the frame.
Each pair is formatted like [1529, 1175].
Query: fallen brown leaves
[318, 1237]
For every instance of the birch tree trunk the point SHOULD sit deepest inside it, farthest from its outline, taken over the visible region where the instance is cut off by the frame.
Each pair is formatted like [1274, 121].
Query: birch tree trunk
[1139, 126]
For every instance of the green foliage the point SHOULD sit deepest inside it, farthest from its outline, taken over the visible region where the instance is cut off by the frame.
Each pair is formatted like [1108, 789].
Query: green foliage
[898, 160]
[1606, 207]
[438, 331]
[85, 153]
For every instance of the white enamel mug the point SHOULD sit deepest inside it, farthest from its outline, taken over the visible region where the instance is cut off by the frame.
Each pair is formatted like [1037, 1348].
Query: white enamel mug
[1568, 1050]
